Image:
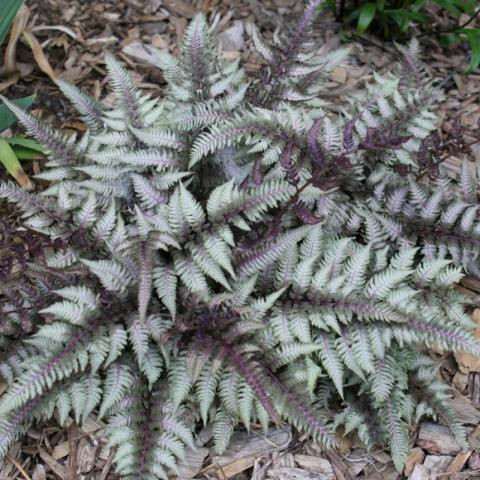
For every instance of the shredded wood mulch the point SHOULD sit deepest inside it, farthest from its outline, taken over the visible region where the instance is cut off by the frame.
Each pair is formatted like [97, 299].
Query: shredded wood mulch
[68, 40]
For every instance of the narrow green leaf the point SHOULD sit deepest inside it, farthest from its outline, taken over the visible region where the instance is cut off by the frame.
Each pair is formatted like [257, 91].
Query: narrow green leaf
[24, 153]
[367, 14]
[8, 12]
[7, 118]
[11, 163]
[473, 36]
[465, 6]
[26, 143]
[450, 6]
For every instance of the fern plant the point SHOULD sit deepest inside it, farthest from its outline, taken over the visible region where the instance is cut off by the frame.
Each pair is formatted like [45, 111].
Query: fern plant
[237, 252]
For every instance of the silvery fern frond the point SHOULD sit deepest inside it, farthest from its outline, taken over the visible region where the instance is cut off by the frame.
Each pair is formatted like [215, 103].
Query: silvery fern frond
[241, 253]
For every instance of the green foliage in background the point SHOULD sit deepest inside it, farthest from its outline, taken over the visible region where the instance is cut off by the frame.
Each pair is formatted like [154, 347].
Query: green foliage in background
[392, 19]
[17, 147]
[13, 149]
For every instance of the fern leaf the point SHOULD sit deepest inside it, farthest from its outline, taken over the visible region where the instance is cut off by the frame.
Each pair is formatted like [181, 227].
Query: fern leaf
[118, 380]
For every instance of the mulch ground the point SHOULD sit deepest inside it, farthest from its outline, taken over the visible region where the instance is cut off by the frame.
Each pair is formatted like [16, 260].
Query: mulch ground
[72, 37]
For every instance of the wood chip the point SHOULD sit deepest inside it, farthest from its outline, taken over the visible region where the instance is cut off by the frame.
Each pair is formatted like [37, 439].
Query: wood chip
[73, 449]
[108, 465]
[474, 388]
[232, 38]
[104, 453]
[342, 470]
[474, 438]
[467, 362]
[180, 26]
[281, 459]
[61, 450]
[180, 7]
[39, 473]
[457, 464]
[89, 426]
[339, 75]
[466, 412]
[58, 469]
[344, 442]
[159, 41]
[143, 52]
[87, 455]
[382, 457]
[246, 448]
[460, 380]
[419, 473]
[315, 464]
[382, 473]
[474, 461]
[415, 457]
[3, 386]
[437, 464]
[231, 55]
[192, 464]
[437, 439]
[289, 473]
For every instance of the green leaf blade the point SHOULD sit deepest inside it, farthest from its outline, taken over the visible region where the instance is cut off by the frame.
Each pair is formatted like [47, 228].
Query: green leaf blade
[367, 14]
[11, 163]
[9, 10]
[7, 118]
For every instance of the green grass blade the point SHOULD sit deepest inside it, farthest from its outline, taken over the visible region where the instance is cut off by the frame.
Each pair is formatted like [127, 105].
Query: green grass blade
[367, 14]
[25, 142]
[23, 153]
[9, 9]
[7, 118]
[473, 36]
[11, 163]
